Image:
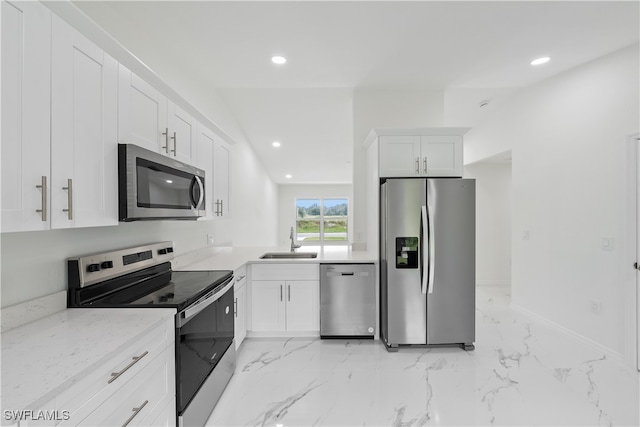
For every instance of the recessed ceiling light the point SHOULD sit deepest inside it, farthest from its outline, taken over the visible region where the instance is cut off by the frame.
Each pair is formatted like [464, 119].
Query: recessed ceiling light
[287, 176]
[540, 61]
[279, 60]
[275, 144]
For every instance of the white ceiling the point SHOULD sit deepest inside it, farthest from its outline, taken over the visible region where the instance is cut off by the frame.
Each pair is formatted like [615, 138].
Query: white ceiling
[469, 49]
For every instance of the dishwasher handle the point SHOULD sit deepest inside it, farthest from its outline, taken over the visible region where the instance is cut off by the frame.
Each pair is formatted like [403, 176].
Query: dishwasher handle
[345, 273]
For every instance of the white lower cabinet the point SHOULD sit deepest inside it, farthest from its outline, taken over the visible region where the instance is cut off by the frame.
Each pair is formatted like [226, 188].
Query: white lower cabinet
[134, 388]
[139, 398]
[287, 300]
[240, 305]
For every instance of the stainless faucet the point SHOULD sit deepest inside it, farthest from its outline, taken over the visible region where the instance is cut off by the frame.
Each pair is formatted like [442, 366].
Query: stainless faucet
[293, 245]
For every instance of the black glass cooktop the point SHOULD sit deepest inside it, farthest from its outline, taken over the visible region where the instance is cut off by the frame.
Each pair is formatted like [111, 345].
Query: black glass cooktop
[169, 289]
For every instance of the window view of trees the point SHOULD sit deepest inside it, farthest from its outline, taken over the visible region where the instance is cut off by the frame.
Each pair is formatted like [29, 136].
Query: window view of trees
[322, 220]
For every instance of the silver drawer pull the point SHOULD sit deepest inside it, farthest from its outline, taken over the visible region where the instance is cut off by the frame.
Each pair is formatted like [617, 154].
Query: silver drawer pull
[135, 360]
[135, 412]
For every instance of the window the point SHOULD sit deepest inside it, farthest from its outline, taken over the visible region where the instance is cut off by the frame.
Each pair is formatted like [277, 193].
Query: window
[322, 221]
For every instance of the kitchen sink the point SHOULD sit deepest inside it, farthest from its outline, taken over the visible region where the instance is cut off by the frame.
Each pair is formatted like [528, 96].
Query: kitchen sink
[289, 255]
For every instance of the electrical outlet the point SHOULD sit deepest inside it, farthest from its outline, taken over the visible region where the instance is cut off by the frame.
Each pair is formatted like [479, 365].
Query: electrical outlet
[359, 236]
[210, 240]
[594, 306]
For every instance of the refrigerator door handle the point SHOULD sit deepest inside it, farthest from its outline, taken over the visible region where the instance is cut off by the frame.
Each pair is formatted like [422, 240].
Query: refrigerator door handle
[425, 238]
[432, 248]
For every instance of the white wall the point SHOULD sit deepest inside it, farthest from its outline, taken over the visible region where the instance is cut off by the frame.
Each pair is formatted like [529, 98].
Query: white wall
[33, 264]
[567, 136]
[493, 222]
[385, 108]
[287, 195]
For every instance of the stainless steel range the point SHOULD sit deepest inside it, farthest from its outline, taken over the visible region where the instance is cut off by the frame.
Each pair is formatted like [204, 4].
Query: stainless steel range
[142, 277]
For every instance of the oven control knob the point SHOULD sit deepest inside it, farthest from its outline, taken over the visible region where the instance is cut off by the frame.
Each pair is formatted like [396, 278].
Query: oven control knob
[163, 298]
[170, 294]
[93, 268]
[107, 264]
[169, 250]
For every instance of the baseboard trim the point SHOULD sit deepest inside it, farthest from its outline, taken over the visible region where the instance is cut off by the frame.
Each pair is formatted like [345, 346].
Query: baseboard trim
[607, 351]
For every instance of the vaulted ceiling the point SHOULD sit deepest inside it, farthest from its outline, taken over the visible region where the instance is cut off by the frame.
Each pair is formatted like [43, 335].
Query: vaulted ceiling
[334, 48]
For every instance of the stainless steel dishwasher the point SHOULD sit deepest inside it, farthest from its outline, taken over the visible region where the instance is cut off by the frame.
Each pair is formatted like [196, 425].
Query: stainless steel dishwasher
[347, 300]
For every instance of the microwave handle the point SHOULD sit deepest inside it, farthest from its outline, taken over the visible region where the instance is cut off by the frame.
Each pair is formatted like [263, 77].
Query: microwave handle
[198, 203]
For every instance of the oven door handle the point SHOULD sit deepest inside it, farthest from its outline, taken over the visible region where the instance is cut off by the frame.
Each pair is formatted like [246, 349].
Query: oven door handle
[186, 315]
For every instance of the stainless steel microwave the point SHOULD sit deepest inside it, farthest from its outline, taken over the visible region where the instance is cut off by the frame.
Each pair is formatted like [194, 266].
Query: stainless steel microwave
[152, 186]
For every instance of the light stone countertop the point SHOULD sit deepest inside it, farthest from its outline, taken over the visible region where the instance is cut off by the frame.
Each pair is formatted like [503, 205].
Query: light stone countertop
[45, 357]
[231, 258]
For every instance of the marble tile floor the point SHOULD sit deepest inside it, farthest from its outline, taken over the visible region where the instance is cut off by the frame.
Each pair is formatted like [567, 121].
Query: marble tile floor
[521, 373]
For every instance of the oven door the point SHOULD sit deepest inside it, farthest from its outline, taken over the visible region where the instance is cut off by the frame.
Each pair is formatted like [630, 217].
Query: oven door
[204, 333]
[153, 186]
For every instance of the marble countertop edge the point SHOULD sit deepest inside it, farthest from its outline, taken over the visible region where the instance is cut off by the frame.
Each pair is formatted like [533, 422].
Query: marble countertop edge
[32, 389]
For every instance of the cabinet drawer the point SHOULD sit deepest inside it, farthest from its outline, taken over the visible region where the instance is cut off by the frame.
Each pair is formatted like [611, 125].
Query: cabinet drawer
[86, 395]
[285, 272]
[140, 397]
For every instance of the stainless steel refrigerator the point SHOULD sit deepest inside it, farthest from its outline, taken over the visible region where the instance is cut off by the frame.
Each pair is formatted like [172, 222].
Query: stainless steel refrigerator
[427, 262]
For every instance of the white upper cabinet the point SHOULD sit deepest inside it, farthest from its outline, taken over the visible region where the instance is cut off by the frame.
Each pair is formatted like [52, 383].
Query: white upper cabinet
[83, 131]
[182, 129]
[399, 156]
[441, 155]
[214, 156]
[204, 160]
[222, 179]
[59, 116]
[26, 115]
[142, 113]
[148, 119]
[432, 155]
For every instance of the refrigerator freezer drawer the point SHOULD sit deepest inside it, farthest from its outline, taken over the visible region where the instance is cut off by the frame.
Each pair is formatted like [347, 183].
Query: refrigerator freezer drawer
[347, 300]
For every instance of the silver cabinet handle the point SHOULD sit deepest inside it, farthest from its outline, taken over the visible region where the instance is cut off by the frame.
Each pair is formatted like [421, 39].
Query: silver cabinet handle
[166, 140]
[136, 359]
[43, 187]
[289, 293]
[280, 292]
[221, 207]
[235, 307]
[175, 144]
[69, 189]
[135, 412]
[424, 164]
[417, 165]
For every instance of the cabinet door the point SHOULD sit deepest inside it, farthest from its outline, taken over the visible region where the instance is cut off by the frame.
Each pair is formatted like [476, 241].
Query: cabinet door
[399, 156]
[26, 103]
[441, 155]
[84, 122]
[240, 315]
[182, 133]
[303, 312]
[222, 179]
[142, 113]
[204, 160]
[267, 305]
